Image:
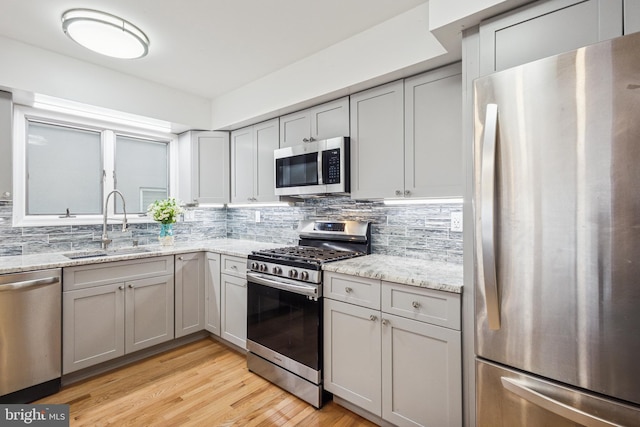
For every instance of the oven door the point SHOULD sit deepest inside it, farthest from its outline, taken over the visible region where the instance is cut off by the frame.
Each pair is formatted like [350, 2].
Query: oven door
[284, 324]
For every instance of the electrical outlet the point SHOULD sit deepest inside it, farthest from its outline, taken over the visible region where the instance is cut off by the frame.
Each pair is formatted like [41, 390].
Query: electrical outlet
[189, 215]
[257, 216]
[456, 221]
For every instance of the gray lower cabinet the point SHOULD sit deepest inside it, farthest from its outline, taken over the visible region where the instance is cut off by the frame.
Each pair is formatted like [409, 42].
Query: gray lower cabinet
[233, 307]
[189, 293]
[398, 355]
[212, 293]
[112, 309]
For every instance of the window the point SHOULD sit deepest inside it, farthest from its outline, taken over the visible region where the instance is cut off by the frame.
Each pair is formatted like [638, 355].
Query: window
[66, 166]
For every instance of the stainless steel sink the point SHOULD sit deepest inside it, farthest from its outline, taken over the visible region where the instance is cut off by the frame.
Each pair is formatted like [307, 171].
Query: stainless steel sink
[105, 253]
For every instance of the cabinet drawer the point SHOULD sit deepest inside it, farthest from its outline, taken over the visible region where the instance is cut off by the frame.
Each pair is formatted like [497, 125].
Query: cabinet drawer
[425, 305]
[233, 265]
[86, 276]
[355, 290]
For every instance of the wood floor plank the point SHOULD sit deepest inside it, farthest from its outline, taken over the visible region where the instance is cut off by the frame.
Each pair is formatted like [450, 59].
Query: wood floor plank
[203, 383]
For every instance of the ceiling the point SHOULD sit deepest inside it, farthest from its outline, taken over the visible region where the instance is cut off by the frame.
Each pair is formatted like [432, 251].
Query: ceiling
[206, 47]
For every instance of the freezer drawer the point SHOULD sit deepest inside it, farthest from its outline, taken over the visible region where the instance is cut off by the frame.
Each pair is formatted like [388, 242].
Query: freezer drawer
[507, 398]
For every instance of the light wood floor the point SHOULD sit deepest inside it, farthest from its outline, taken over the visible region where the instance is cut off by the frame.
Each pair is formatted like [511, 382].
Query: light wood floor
[200, 384]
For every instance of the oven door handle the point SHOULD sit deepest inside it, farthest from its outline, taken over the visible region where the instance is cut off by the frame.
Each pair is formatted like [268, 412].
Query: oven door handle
[312, 291]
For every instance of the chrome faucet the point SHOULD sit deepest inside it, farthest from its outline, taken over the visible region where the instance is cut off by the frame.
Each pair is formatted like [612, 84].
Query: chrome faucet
[105, 237]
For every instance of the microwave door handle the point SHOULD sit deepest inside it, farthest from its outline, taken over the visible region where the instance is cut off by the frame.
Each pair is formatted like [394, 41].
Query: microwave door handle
[487, 217]
[320, 152]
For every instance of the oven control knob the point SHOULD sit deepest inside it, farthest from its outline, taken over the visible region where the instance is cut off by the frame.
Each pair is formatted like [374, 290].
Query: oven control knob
[277, 270]
[263, 267]
[254, 265]
[304, 275]
[293, 273]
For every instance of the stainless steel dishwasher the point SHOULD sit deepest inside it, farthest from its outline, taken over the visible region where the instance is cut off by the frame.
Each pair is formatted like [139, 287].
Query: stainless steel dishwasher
[30, 335]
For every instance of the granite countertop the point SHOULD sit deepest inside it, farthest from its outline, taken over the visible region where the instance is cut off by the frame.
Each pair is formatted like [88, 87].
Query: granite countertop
[437, 275]
[233, 247]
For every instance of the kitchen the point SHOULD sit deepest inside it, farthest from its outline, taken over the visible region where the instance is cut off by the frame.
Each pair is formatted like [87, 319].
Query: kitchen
[416, 232]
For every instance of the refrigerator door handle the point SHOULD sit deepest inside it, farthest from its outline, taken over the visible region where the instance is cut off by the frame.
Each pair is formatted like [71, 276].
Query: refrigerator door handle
[487, 232]
[552, 405]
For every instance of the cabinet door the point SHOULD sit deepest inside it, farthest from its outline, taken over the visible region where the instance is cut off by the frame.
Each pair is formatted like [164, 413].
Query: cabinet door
[295, 128]
[212, 172]
[149, 312]
[243, 161]
[421, 373]
[6, 177]
[93, 326]
[212, 293]
[330, 120]
[433, 134]
[546, 28]
[234, 310]
[377, 142]
[631, 16]
[352, 354]
[189, 294]
[266, 140]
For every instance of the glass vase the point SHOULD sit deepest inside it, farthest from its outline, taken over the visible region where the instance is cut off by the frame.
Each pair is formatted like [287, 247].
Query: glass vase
[166, 235]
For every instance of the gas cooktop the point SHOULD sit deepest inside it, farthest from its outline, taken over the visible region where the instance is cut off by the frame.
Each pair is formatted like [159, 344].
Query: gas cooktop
[307, 253]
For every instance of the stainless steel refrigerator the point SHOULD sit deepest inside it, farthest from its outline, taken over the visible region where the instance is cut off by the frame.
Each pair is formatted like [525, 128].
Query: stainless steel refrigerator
[557, 240]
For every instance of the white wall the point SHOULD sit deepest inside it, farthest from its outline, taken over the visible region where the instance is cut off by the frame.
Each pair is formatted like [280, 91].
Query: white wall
[403, 43]
[35, 70]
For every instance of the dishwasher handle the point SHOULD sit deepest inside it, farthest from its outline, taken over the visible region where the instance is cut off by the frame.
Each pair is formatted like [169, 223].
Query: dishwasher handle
[28, 284]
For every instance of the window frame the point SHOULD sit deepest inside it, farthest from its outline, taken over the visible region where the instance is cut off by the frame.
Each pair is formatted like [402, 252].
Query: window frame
[109, 130]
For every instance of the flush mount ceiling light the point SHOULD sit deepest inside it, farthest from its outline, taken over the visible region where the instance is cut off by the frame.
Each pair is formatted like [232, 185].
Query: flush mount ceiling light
[105, 33]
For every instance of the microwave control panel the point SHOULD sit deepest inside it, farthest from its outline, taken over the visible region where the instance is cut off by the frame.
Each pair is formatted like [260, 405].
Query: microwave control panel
[331, 166]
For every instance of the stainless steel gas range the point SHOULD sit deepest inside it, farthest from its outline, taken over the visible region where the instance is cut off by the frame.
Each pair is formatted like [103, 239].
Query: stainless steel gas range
[284, 307]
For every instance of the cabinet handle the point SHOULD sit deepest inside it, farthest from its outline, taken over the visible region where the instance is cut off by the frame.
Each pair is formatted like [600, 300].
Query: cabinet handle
[415, 304]
[121, 287]
[130, 286]
[234, 267]
[348, 290]
[305, 139]
[181, 258]
[373, 317]
[385, 322]
[312, 139]
[398, 193]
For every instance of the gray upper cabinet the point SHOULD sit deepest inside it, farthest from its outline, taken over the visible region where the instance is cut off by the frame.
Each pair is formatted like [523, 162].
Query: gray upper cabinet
[6, 179]
[204, 167]
[406, 137]
[433, 134]
[546, 28]
[323, 121]
[377, 141]
[631, 16]
[252, 164]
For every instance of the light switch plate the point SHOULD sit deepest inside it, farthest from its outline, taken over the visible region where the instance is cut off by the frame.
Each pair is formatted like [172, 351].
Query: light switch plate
[456, 221]
[189, 215]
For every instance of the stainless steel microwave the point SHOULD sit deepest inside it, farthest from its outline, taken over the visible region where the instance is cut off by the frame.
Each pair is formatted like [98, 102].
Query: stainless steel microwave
[317, 167]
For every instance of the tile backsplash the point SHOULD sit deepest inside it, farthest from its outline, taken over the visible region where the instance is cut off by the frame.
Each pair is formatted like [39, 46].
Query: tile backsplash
[414, 231]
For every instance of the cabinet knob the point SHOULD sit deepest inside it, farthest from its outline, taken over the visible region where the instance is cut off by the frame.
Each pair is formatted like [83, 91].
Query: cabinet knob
[130, 286]
[121, 287]
[312, 139]
[385, 322]
[373, 317]
[348, 290]
[305, 139]
[398, 193]
[407, 192]
[415, 304]
[6, 194]
[181, 258]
